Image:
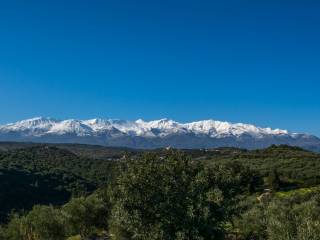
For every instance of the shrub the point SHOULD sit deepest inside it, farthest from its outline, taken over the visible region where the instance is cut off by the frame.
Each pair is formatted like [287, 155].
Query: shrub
[172, 198]
[43, 222]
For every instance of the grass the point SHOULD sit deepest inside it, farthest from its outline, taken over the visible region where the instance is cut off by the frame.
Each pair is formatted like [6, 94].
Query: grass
[74, 238]
[300, 191]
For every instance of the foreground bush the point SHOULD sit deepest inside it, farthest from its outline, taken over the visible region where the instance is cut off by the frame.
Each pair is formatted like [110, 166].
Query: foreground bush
[85, 216]
[286, 221]
[290, 218]
[172, 198]
[43, 222]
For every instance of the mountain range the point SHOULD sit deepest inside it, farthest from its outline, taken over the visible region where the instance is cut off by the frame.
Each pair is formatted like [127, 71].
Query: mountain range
[153, 134]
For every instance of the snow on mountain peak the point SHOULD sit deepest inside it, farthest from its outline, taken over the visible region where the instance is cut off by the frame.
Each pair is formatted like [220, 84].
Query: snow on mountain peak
[156, 128]
[152, 134]
[33, 123]
[218, 128]
[71, 127]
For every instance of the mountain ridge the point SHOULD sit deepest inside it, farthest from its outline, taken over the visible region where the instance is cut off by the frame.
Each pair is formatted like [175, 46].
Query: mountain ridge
[153, 134]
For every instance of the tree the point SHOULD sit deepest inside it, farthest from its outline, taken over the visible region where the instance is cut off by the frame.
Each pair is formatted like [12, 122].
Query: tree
[2, 233]
[172, 198]
[293, 220]
[43, 222]
[274, 180]
[86, 215]
[250, 180]
[295, 216]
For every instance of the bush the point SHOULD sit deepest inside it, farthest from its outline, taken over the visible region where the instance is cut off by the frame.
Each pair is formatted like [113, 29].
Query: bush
[296, 217]
[288, 221]
[172, 198]
[43, 222]
[86, 215]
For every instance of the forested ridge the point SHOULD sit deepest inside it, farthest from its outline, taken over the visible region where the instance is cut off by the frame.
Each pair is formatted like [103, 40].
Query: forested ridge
[47, 175]
[72, 191]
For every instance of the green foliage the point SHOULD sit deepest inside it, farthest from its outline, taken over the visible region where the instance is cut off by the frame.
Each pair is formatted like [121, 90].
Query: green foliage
[173, 198]
[163, 195]
[274, 180]
[295, 167]
[86, 215]
[43, 222]
[82, 150]
[290, 220]
[22, 190]
[295, 217]
[77, 172]
[47, 175]
[2, 233]
[250, 180]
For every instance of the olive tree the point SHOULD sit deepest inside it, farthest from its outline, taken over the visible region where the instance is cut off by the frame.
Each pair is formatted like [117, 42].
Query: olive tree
[172, 197]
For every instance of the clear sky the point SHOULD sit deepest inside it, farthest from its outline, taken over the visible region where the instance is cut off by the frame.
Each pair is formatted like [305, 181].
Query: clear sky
[241, 61]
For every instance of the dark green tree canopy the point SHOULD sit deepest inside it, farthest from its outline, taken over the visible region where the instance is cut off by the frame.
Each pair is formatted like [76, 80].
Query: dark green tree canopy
[173, 197]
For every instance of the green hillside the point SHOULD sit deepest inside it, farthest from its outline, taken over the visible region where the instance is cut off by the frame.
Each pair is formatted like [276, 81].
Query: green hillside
[82, 188]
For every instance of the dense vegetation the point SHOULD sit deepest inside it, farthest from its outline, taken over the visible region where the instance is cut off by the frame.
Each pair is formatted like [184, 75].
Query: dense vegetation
[295, 166]
[174, 198]
[165, 194]
[47, 175]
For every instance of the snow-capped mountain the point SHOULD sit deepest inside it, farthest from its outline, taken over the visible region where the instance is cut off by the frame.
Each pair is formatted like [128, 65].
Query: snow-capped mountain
[152, 134]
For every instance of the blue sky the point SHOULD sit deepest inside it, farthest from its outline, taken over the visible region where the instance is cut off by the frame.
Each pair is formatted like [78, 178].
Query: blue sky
[241, 61]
